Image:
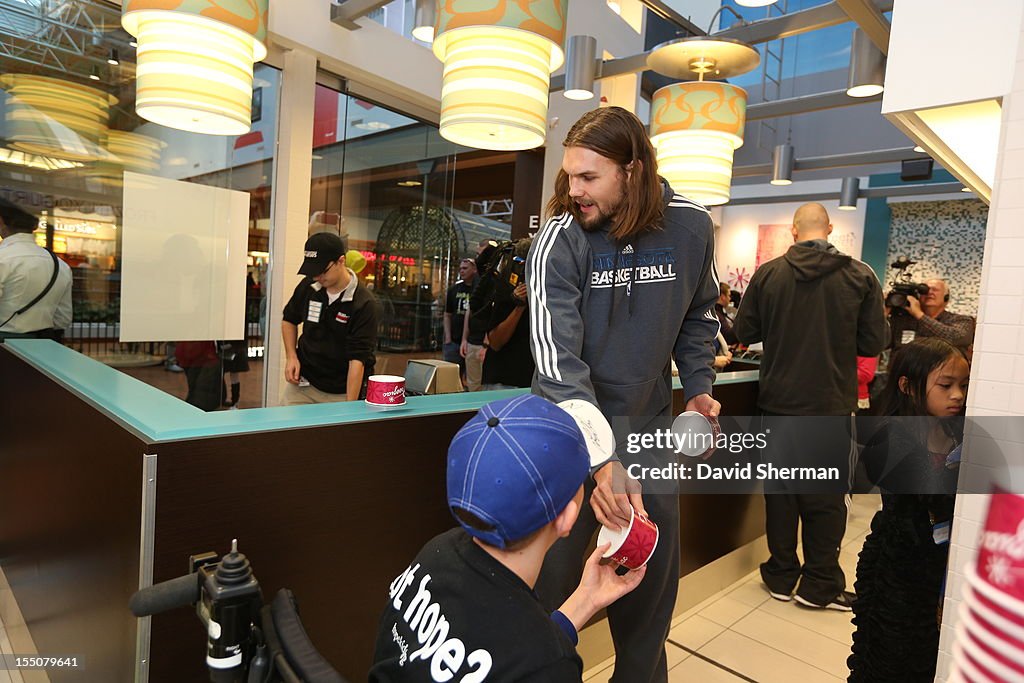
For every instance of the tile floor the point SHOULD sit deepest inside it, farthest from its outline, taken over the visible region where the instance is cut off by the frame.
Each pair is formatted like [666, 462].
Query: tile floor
[741, 634]
[7, 676]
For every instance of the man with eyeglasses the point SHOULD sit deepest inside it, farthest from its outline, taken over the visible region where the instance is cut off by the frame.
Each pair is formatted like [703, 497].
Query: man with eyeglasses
[335, 354]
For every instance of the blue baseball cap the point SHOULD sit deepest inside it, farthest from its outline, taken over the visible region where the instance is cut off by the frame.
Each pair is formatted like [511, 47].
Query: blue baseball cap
[515, 466]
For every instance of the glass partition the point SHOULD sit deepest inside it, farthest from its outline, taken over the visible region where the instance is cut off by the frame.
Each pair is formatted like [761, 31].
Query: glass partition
[69, 133]
[412, 204]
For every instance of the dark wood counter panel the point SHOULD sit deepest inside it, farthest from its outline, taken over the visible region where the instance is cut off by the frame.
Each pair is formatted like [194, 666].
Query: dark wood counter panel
[332, 512]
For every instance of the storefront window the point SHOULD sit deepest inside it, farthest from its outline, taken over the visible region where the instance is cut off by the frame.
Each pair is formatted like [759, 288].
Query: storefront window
[69, 133]
[412, 205]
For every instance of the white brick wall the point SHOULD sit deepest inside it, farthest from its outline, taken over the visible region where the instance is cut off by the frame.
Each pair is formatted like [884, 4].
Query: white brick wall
[997, 375]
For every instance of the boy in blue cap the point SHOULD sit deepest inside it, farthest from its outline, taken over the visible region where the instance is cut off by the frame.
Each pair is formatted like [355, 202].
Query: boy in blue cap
[465, 609]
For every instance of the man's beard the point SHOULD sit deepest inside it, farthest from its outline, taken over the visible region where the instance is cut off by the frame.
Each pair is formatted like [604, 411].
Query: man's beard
[599, 218]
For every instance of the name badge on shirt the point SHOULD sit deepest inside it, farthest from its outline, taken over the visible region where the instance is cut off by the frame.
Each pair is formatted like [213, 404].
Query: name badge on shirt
[341, 317]
[313, 314]
[908, 336]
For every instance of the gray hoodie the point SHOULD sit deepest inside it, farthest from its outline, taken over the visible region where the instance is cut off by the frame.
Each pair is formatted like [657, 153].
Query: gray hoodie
[605, 318]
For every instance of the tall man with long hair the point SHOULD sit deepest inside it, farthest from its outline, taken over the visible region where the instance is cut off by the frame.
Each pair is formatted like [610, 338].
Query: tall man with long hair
[622, 279]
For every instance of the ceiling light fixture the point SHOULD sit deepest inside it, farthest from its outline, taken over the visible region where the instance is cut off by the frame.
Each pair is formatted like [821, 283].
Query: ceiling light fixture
[370, 125]
[866, 76]
[782, 165]
[848, 194]
[113, 60]
[195, 62]
[55, 118]
[580, 67]
[425, 18]
[697, 126]
[494, 88]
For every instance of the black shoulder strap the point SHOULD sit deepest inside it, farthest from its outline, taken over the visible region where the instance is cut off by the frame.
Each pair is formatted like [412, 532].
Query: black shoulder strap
[46, 290]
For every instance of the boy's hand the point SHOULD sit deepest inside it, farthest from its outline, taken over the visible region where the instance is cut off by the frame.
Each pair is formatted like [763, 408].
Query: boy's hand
[599, 587]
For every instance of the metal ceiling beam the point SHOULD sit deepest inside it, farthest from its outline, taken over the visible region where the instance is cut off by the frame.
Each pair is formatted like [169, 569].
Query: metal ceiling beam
[667, 13]
[881, 156]
[869, 18]
[822, 16]
[830, 14]
[867, 193]
[804, 104]
[345, 13]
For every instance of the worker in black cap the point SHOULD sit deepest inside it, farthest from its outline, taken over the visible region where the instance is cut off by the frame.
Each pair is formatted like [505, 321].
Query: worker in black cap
[335, 354]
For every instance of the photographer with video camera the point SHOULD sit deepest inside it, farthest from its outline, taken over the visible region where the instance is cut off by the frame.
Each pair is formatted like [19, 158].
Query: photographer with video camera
[918, 310]
[509, 361]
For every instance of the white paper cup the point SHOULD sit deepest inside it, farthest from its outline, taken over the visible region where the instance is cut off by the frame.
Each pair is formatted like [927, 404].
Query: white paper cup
[695, 434]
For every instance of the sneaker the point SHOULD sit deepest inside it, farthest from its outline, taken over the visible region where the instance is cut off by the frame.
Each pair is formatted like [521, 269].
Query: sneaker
[841, 603]
[781, 597]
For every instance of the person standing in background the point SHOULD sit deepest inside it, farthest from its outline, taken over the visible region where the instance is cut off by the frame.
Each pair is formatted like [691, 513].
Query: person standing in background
[35, 285]
[335, 354]
[815, 309]
[455, 309]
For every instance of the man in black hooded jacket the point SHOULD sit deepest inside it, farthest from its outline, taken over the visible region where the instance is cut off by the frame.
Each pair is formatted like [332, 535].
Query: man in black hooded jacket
[815, 309]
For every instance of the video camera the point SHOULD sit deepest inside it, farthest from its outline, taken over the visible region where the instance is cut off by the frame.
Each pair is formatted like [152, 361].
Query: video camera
[247, 641]
[903, 286]
[507, 267]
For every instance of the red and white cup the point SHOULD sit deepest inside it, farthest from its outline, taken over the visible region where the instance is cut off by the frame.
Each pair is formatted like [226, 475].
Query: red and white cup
[385, 391]
[991, 619]
[633, 545]
[1001, 547]
[982, 664]
[992, 644]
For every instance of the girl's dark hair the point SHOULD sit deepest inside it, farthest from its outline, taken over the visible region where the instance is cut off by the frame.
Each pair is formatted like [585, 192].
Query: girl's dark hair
[915, 361]
[617, 134]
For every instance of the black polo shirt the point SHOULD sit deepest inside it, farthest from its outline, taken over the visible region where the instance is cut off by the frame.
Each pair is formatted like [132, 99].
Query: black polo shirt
[333, 333]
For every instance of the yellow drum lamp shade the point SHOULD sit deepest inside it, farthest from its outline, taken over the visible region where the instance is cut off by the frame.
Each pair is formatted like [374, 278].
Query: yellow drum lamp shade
[53, 118]
[195, 61]
[498, 58]
[695, 128]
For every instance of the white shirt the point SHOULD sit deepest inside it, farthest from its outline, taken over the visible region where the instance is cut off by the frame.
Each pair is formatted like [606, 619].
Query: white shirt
[25, 268]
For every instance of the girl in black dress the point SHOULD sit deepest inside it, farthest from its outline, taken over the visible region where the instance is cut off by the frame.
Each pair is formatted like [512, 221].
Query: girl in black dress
[913, 458]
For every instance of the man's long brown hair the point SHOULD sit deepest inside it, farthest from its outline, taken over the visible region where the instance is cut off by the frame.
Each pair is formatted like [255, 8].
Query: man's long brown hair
[617, 134]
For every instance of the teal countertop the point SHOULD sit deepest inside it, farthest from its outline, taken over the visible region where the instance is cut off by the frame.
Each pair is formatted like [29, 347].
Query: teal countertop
[158, 416]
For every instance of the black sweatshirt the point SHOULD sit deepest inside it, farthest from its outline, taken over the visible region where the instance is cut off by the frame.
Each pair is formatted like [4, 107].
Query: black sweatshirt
[816, 310]
[458, 614]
